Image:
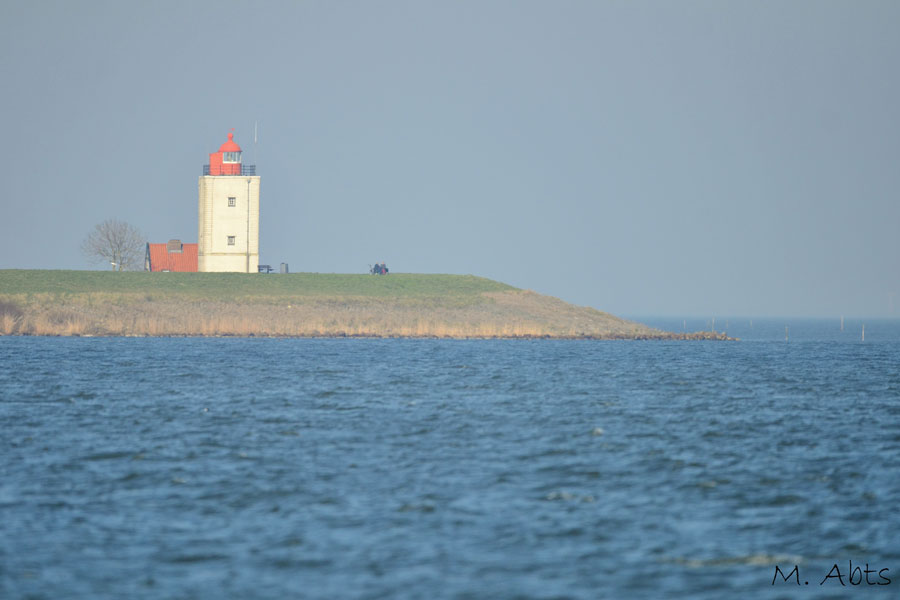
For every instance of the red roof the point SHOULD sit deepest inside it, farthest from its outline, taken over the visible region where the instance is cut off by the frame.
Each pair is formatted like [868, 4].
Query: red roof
[160, 259]
[230, 145]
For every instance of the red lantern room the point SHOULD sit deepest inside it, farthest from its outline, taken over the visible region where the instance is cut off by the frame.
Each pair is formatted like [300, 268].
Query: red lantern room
[227, 161]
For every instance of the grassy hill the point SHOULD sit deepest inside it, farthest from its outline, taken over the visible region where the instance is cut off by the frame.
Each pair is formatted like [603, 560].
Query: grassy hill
[36, 302]
[241, 286]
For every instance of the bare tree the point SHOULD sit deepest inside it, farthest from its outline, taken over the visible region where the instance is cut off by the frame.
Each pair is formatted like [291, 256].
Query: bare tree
[115, 242]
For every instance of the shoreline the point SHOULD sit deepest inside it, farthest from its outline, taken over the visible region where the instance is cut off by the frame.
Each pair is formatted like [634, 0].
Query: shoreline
[109, 304]
[695, 336]
[661, 336]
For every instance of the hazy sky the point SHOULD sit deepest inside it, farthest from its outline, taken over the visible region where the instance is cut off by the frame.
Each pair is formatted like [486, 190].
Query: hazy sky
[644, 158]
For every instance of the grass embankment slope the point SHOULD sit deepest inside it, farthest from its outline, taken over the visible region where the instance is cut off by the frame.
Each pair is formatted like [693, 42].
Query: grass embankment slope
[36, 302]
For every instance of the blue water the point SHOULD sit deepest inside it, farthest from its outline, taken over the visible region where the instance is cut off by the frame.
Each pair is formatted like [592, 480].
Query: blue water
[277, 468]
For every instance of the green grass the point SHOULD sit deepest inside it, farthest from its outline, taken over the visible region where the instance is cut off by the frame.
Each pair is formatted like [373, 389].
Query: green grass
[242, 286]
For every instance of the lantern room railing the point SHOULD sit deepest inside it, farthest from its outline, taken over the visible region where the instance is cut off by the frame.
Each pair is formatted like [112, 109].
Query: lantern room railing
[245, 170]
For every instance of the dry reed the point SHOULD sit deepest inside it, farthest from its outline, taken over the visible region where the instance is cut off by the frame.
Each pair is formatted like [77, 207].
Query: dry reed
[508, 314]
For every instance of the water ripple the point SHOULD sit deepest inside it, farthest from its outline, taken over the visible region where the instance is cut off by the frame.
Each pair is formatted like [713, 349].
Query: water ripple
[148, 468]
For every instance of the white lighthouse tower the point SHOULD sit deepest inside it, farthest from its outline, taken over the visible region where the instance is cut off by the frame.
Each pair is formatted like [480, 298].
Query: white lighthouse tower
[228, 213]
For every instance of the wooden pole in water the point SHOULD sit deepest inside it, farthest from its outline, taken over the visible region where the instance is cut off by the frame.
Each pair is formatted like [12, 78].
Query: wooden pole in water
[864, 333]
[842, 322]
[785, 333]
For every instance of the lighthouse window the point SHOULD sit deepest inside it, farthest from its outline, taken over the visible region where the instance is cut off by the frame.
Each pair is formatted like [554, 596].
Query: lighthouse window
[231, 157]
[231, 240]
[231, 201]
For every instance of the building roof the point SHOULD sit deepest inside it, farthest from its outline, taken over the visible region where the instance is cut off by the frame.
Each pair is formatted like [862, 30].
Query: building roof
[230, 145]
[173, 256]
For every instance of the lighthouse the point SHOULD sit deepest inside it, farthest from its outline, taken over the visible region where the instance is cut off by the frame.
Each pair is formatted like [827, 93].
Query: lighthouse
[228, 235]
